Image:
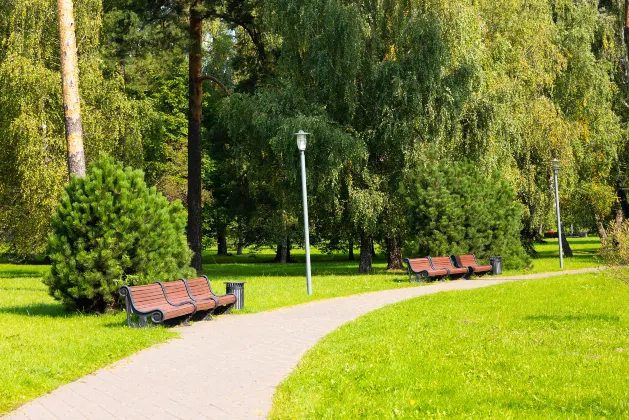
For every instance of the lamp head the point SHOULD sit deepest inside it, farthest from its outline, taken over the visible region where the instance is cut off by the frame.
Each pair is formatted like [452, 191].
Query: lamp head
[555, 164]
[301, 140]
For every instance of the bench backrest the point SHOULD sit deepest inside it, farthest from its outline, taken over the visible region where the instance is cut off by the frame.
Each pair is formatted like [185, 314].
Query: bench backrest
[467, 260]
[176, 291]
[419, 264]
[441, 262]
[148, 296]
[200, 287]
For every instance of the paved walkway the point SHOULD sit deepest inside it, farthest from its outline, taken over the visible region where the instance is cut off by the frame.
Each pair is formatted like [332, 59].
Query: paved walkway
[224, 369]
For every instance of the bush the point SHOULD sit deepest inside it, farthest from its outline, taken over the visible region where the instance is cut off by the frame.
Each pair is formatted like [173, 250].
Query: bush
[454, 208]
[615, 250]
[111, 229]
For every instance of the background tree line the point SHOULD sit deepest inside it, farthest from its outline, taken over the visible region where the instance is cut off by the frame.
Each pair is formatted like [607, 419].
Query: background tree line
[204, 97]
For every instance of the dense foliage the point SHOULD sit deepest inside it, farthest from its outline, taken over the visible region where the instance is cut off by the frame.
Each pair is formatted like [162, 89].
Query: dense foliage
[507, 88]
[454, 208]
[111, 229]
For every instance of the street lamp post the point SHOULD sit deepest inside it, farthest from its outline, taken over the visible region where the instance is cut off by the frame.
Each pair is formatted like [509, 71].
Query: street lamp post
[555, 171]
[301, 145]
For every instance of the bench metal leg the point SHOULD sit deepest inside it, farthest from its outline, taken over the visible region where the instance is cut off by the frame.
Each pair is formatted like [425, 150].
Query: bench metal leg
[208, 317]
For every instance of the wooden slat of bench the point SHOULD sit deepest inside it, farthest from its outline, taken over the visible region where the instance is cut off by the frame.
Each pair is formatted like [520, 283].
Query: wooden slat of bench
[418, 265]
[200, 289]
[150, 298]
[469, 260]
[446, 263]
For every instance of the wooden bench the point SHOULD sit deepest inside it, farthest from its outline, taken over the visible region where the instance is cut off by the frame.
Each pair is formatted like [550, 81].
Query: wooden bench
[444, 263]
[422, 269]
[178, 292]
[201, 291]
[471, 263]
[149, 301]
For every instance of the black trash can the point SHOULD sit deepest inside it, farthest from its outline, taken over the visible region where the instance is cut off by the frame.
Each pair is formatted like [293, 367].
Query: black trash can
[236, 288]
[496, 264]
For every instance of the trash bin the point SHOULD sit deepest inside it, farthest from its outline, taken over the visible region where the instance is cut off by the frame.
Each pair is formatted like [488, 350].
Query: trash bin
[496, 264]
[236, 288]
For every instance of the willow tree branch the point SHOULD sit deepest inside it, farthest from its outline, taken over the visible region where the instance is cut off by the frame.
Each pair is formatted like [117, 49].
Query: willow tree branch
[216, 81]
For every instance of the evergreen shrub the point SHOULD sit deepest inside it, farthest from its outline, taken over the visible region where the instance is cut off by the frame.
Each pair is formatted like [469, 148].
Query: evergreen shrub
[111, 229]
[454, 208]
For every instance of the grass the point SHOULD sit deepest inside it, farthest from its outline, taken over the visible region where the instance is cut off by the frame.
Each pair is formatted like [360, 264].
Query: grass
[551, 348]
[270, 286]
[42, 347]
[585, 255]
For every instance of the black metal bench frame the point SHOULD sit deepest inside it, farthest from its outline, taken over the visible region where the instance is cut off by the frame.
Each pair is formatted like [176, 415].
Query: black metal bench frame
[156, 315]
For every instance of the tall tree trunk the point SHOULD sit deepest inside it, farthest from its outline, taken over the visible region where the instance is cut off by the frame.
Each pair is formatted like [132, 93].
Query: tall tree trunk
[70, 88]
[351, 250]
[366, 248]
[195, 102]
[239, 251]
[565, 245]
[222, 241]
[602, 233]
[282, 254]
[394, 253]
[620, 217]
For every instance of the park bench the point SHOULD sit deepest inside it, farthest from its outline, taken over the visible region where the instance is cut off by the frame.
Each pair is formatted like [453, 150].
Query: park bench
[422, 269]
[149, 301]
[469, 261]
[201, 291]
[444, 263]
[178, 292]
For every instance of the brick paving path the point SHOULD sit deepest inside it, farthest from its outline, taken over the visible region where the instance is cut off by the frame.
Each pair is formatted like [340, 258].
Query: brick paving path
[223, 369]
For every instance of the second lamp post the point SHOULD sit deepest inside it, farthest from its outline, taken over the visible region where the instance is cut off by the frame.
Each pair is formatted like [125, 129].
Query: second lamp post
[301, 145]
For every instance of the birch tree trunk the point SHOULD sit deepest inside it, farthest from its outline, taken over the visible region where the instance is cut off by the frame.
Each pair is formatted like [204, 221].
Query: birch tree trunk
[70, 88]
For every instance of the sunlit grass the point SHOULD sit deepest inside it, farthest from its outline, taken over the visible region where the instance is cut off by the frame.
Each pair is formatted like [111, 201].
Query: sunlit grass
[43, 347]
[552, 348]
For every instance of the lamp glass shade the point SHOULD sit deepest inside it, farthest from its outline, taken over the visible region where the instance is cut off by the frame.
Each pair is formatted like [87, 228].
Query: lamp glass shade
[555, 165]
[301, 140]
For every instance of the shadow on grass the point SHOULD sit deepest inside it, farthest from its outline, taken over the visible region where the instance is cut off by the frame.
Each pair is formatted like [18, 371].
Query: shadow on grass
[40, 309]
[564, 318]
[24, 289]
[20, 273]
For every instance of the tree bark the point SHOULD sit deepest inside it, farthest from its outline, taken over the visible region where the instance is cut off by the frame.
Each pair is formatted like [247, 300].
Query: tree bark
[602, 233]
[282, 254]
[366, 248]
[70, 88]
[195, 102]
[222, 241]
[620, 217]
[565, 245]
[239, 251]
[351, 250]
[394, 253]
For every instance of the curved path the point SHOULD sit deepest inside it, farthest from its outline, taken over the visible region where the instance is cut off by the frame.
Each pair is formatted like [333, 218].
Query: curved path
[226, 369]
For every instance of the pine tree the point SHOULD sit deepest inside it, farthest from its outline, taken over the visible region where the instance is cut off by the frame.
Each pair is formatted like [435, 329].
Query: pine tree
[111, 229]
[454, 208]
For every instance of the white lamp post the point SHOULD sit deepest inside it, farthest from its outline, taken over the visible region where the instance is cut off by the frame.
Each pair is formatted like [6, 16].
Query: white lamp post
[555, 171]
[301, 145]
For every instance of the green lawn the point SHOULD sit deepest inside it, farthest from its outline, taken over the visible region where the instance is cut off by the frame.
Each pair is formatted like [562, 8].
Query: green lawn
[551, 348]
[42, 347]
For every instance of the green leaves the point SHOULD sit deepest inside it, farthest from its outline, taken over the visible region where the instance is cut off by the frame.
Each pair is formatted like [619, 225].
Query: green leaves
[111, 229]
